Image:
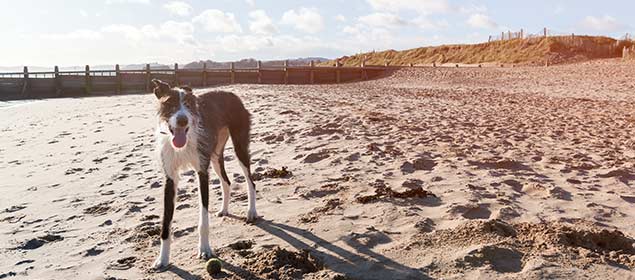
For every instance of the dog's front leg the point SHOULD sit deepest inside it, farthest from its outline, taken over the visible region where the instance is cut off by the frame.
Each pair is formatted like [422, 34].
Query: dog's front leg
[168, 212]
[204, 250]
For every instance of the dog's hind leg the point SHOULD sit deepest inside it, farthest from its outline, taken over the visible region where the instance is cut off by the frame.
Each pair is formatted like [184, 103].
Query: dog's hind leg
[218, 163]
[240, 139]
[169, 194]
[204, 250]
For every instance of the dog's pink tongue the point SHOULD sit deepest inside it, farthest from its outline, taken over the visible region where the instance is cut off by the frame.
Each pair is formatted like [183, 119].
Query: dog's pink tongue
[179, 138]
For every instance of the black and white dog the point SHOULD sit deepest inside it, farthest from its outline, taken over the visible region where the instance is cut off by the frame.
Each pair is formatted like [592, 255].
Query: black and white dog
[191, 134]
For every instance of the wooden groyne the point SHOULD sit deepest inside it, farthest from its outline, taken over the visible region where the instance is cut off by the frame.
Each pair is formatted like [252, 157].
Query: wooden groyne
[27, 85]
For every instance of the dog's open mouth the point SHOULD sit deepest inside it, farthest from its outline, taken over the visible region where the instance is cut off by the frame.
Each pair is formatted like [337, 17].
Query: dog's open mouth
[179, 136]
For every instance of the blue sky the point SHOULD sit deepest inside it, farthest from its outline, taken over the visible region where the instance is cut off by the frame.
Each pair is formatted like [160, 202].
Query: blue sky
[74, 32]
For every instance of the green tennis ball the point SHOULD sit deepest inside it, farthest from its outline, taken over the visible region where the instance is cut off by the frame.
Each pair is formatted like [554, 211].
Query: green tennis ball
[213, 266]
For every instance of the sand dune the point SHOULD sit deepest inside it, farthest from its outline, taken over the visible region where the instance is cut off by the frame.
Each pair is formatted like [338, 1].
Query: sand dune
[519, 173]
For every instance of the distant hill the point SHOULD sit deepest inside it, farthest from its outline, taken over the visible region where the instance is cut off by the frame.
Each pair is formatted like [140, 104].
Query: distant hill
[557, 50]
[250, 62]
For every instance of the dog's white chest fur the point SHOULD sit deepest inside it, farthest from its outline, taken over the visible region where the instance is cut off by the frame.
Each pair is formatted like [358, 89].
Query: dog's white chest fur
[175, 160]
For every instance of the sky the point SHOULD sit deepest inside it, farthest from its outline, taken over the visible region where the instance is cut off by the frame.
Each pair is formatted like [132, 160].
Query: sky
[97, 32]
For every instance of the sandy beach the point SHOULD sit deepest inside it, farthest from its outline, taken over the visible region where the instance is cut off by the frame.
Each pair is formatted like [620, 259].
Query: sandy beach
[429, 173]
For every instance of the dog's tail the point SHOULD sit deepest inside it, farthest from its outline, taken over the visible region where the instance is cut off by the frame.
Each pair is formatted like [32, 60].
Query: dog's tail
[239, 129]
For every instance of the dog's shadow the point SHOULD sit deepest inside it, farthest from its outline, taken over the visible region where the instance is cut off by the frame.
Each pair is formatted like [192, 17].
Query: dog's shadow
[335, 257]
[333, 254]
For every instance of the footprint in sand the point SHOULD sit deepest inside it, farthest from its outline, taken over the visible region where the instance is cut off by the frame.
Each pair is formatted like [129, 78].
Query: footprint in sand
[123, 263]
[316, 157]
[38, 242]
[99, 209]
[184, 232]
[422, 163]
[472, 211]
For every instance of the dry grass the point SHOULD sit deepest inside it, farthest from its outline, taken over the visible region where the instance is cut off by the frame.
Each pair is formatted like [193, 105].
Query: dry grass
[562, 49]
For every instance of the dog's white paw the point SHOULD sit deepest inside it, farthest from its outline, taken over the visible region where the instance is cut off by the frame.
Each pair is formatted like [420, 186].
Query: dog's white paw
[222, 213]
[160, 264]
[252, 215]
[204, 251]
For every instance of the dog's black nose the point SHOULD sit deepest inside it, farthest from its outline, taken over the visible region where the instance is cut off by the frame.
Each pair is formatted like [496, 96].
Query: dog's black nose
[181, 120]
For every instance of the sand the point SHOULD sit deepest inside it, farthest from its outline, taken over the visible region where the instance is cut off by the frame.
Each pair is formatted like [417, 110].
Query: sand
[497, 173]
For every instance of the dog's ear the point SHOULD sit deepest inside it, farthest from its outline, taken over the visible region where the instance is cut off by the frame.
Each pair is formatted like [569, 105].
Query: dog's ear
[187, 89]
[161, 88]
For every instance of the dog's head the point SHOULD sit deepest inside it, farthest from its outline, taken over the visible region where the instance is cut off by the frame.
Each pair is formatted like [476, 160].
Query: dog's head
[177, 111]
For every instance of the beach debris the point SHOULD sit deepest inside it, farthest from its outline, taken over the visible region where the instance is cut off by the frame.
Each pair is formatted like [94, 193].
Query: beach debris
[279, 263]
[273, 173]
[381, 191]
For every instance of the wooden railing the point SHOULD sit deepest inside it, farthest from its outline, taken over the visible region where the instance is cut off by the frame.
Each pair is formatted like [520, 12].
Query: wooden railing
[25, 84]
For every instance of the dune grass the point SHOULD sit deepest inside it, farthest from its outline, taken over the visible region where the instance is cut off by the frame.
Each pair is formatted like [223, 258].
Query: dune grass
[562, 49]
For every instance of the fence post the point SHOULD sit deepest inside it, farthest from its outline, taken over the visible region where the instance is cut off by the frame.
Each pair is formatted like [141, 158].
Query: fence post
[363, 65]
[176, 74]
[522, 34]
[338, 73]
[58, 82]
[259, 66]
[87, 83]
[148, 77]
[25, 83]
[502, 36]
[118, 78]
[204, 74]
[509, 35]
[545, 31]
[232, 73]
[312, 73]
[286, 72]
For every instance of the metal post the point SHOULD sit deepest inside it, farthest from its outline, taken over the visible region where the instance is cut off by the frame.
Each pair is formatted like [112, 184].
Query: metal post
[204, 74]
[58, 82]
[286, 72]
[259, 66]
[232, 72]
[118, 78]
[338, 73]
[176, 74]
[363, 72]
[148, 78]
[87, 83]
[25, 83]
[311, 72]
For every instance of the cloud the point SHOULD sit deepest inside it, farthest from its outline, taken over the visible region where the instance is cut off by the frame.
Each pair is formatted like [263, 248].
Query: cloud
[605, 23]
[481, 21]
[251, 3]
[472, 9]
[180, 32]
[425, 7]
[80, 34]
[109, 2]
[178, 8]
[236, 46]
[306, 20]
[261, 23]
[340, 18]
[391, 21]
[382, 20]
[217, 21]
[425, 23]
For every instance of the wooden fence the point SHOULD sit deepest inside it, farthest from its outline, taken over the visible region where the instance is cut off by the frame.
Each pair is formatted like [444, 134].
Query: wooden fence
[25, 85]
[628, 52]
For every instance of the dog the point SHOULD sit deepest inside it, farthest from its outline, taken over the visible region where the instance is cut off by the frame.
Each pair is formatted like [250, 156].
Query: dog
[192, 133]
